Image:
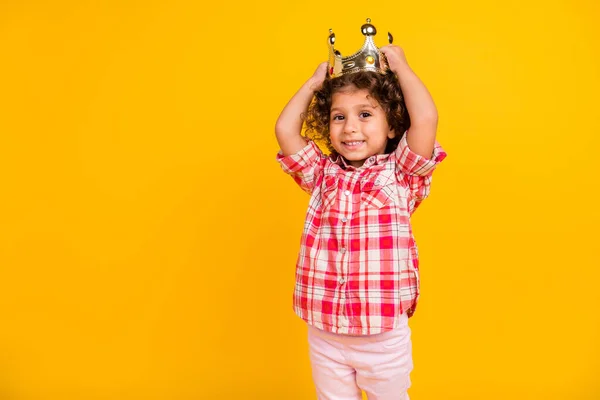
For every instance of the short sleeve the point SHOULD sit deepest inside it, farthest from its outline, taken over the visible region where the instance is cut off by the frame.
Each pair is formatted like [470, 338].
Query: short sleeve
[410, 163]
[415, 170]
[304, 166]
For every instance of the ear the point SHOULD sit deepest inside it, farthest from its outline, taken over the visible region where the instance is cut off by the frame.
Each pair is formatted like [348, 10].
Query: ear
[391, 134]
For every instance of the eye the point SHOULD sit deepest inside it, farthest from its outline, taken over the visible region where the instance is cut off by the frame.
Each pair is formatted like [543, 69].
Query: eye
[365, 114]
[337, 117]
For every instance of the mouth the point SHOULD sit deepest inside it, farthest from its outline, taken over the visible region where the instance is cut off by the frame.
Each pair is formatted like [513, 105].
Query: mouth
[355, 144]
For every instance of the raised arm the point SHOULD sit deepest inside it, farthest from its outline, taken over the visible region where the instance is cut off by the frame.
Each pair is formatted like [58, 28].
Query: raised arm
[288, 128]
[419, 104]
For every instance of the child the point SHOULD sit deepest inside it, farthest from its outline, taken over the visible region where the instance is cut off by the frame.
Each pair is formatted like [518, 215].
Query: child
[357, 277]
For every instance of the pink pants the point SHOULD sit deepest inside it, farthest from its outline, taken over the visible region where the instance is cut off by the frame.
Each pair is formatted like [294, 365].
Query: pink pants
[343, 365]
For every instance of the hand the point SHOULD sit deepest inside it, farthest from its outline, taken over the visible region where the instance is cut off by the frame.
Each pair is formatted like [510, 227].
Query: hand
[395, 56]
[316, 81]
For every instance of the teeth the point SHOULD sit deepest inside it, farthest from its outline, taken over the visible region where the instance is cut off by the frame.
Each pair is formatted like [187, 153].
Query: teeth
[354, 143]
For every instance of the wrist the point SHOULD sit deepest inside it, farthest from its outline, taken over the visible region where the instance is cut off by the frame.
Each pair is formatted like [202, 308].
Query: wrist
[312, 85]
[401, 68]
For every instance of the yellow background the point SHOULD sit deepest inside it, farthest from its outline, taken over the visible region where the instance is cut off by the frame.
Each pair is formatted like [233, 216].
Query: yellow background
[148, 237]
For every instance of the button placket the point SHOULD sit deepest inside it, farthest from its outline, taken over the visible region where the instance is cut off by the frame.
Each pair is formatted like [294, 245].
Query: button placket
[346, 211]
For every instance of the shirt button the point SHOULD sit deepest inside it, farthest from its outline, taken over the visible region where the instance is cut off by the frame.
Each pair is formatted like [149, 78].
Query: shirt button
[342, 281]
[347, 193]
[344, 220]
[343, 250]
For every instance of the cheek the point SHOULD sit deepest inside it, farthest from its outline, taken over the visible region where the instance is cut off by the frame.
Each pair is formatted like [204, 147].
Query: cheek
[333, 133]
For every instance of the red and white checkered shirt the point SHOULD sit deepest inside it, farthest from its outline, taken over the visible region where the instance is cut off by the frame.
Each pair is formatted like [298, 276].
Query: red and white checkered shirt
[357, 270]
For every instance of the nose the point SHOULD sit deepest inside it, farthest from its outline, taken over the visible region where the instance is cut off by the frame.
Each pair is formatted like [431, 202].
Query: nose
[350, 125]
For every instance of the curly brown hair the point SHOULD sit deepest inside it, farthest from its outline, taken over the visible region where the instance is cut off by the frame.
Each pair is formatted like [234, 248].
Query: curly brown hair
[384, 88]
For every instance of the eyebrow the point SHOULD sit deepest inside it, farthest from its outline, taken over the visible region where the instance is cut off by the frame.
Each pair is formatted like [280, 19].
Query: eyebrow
[364, 105]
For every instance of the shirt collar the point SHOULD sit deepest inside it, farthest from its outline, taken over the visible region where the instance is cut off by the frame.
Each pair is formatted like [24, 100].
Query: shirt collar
[369, 162]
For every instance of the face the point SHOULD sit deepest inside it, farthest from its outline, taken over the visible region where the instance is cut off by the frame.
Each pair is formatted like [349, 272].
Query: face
[358, 125]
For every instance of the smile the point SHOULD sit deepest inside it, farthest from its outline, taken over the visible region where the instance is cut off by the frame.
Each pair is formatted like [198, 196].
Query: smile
[353, 144]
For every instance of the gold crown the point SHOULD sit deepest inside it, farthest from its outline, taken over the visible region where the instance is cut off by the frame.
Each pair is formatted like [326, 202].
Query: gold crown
[368, 58]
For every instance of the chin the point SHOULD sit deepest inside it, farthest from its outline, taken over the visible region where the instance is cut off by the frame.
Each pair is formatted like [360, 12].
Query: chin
[356, 158]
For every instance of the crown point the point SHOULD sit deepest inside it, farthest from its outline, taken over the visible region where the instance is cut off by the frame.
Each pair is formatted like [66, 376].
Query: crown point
[390, 38]
[368, 20]
[368, 29]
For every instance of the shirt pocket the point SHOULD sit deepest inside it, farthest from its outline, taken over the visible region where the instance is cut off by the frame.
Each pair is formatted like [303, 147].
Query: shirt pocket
[328, 192]
[377, 192]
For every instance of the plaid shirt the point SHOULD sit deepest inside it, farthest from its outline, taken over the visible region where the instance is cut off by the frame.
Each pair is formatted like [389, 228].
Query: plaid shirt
[357, 270]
